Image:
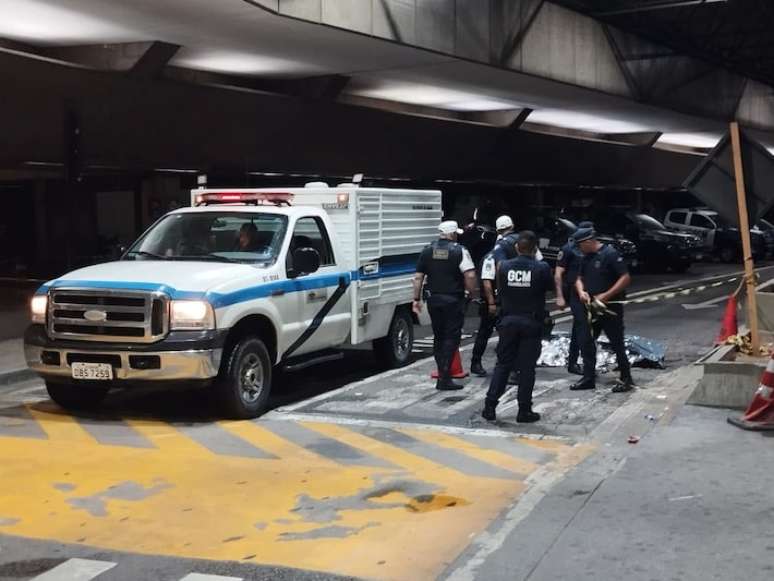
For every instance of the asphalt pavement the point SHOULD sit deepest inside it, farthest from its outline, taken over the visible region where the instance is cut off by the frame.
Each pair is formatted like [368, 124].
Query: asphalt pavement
[364, 473]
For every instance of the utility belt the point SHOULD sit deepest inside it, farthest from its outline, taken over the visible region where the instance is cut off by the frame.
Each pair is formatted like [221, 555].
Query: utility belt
[542, 317]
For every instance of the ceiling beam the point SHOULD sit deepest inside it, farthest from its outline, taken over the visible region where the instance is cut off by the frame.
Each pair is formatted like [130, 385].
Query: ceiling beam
[655, 6]
[154, 60]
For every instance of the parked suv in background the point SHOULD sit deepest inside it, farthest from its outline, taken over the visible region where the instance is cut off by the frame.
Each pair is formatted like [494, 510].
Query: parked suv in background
[720, 238]
[556, 231]
[658, 247]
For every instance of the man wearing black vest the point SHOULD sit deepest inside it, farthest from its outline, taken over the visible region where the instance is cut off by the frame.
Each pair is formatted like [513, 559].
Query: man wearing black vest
[449, 271]
[522, 284]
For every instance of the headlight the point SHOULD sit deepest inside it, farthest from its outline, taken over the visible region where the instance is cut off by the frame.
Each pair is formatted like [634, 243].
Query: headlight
[191, 316]
[38, 307]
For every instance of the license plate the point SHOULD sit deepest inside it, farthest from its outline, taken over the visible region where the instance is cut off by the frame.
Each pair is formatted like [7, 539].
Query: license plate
[92, 371]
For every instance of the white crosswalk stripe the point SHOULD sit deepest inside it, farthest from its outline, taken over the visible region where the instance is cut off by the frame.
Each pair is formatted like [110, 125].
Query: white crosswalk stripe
[76, 570]
[87, 569]
[201, 577]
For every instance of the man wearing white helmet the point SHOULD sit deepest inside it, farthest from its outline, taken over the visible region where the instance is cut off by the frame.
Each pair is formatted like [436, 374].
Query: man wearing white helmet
[450, 272]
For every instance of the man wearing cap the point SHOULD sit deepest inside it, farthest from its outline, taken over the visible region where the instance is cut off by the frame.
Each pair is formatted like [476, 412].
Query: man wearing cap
[505, 247]
[449, 271]
[522, 283]
[603, 278]
[568, 263]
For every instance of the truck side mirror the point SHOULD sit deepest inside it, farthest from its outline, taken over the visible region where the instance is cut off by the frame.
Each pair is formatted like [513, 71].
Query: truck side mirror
[305, 261]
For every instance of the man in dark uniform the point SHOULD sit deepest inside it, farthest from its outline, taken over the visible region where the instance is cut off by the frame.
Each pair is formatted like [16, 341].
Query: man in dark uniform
[522, 284]
[603, 278]
[450, 272]
[568, 264]
[488, 313]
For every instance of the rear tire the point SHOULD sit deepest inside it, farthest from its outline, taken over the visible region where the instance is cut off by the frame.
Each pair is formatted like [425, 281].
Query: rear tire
[71, 396]
[394, 350]
[245, 379]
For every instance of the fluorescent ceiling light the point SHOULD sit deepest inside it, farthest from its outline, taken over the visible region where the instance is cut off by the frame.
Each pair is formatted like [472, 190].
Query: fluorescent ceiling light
[698, 140]
[584, 121]
[433, 96]
[37, 21]
[235, 62]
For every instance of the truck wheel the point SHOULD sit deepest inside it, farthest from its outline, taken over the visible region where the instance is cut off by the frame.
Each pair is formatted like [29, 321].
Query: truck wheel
[394, 350]
[76, 397]
[245, 379]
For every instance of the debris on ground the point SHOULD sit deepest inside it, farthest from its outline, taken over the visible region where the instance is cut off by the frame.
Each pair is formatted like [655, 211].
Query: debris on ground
[641, 352]
[634, 439]
[743, 344]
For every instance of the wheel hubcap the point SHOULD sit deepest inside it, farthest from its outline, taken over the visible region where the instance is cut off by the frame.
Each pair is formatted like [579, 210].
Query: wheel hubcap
[251, 378]
[402, 341]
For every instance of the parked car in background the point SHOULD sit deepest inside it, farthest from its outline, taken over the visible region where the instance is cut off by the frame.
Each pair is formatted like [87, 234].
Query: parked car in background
[766, 229]
[658, 247]
[720, 238]
[556, 231]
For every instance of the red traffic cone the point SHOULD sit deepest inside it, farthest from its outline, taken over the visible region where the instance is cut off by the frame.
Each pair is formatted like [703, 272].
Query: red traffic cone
[760, 415]
[730, 325]
[457, 372]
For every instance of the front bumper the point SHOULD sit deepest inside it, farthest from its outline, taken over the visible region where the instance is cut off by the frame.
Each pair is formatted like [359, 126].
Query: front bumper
[180, 356]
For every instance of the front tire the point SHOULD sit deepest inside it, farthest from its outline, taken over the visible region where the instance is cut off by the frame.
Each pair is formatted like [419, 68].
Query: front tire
[72, 396]
[394, 350]
[245, 380]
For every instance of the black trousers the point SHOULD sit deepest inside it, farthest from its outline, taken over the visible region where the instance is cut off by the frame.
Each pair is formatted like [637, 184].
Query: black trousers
[486, 327]
[613, 327]
[447, 314]
[578, 318]
[518, 349]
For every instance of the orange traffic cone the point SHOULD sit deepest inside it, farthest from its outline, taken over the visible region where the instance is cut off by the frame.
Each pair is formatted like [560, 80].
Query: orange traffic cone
[730, 325]
[457, 372]
[760, 415]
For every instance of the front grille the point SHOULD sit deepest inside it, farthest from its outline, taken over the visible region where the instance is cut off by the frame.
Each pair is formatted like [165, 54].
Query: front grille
[108, 316]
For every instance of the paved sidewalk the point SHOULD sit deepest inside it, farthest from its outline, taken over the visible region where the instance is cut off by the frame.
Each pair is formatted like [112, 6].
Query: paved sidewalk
[692, 501]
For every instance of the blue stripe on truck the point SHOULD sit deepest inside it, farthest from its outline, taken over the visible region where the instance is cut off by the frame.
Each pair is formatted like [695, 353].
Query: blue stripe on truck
[219, 300]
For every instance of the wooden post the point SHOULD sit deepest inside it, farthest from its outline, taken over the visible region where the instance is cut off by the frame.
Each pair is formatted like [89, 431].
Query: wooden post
[744, 229]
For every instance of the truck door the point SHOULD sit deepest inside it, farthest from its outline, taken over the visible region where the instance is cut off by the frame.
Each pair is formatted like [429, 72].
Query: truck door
[322, 298]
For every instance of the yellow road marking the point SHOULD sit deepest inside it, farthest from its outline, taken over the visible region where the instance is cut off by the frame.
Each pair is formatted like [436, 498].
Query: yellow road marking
[391, 453]
[272, 443]
[303, 510]
[493, 457]
[58, 425]
[165, 437]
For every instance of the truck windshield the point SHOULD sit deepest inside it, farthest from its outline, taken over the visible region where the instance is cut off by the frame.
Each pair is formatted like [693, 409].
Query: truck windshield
[251, 238]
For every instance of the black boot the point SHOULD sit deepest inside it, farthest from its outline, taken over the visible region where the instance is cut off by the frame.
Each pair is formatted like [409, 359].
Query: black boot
[584, 383]
[447, 385]
[526, 415]
[575, 369]
[477, 369]
[623, 385]
[489, 411]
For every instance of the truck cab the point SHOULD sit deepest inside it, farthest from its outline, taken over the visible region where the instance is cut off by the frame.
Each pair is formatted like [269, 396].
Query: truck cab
[239, 285]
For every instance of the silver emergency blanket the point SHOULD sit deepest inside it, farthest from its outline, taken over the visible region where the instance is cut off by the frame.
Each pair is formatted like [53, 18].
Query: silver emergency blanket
[640, 351]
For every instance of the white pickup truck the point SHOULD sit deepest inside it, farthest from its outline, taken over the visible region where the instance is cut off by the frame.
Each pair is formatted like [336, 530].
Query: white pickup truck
[242, 283]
